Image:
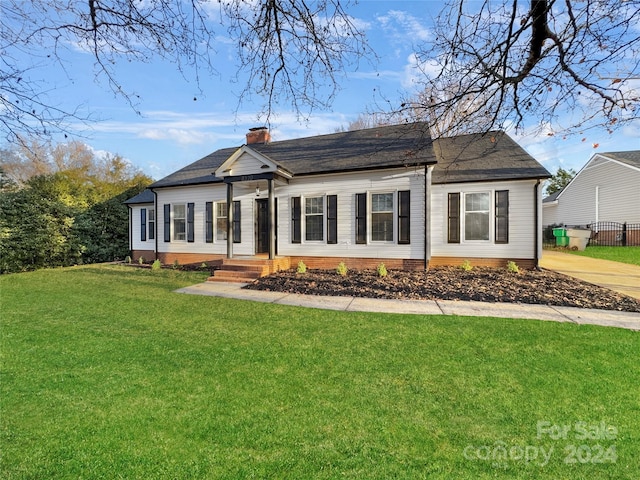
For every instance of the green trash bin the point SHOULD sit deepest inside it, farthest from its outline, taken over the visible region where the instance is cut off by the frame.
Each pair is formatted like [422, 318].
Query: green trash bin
[561, 237]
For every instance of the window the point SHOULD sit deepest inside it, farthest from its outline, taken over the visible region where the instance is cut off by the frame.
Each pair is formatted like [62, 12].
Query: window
[382, 217]
[317, 212]
[221, 215]
[476, 216]
[221, 221]
[384, 213]
[151, 221]
[314, 219]
[179, 222]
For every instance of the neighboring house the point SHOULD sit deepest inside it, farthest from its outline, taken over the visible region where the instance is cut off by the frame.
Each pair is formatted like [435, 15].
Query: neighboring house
[606, 189]
[387, 194]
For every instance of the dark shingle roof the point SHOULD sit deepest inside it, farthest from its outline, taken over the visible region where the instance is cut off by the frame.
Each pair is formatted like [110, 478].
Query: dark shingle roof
[483, 157]
[552, 197]
[460, 159]
[146, 196]
[631, 157]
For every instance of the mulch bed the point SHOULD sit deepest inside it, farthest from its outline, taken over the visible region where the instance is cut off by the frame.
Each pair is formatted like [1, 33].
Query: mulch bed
[453, 283]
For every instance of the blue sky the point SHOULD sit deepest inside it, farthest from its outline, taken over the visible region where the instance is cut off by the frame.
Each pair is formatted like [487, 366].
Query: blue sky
[173, 130]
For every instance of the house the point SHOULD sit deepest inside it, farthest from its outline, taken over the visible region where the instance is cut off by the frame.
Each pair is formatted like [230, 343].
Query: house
[604, 194]
[387, 194]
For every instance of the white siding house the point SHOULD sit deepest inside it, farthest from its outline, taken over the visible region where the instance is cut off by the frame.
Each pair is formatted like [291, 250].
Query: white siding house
[606, 189]
[387, 194]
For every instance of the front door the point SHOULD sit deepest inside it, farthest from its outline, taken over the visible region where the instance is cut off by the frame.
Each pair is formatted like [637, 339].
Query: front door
[262, 225]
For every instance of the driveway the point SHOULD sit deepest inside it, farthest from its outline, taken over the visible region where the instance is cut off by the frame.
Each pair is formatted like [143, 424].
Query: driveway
[620, 277]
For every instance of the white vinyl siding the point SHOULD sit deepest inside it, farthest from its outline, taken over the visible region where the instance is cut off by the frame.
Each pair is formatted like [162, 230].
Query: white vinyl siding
[200, 195]
[618, 195]
[522, 228]
[345, 187]
[135, 237]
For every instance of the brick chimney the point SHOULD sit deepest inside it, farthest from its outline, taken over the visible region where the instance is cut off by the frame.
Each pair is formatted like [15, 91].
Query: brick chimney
[258, 135]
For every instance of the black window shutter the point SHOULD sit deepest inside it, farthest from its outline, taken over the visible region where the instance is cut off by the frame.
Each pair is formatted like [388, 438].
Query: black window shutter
[190, 226]
[208, 221]
[453, 218]
[404, 217]
[332, 219]
[167, 222]
[502, 216]
[143, 225]
[236, 222]
[296, 231]
[361, 218]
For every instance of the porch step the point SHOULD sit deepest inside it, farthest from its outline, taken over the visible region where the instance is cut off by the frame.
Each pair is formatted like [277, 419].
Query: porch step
[246, 270]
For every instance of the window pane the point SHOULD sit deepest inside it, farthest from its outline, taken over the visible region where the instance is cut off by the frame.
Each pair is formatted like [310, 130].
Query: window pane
[476, 226]
[152, 215]
[314, 227]
[178, 211]
[221, 209]
[382, 227]
[179, 229]
[382, 202]
[313, 205]
[477, 202]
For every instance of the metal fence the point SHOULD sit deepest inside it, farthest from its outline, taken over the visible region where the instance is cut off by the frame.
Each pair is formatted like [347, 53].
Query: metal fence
[613, 234]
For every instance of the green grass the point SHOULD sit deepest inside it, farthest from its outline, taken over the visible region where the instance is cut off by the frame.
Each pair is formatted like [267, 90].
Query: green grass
[629, 255]
[105, 373]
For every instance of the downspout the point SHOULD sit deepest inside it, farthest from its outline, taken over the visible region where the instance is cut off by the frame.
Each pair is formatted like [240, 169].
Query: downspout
[538, 225]
[155, 226]
[428, 169]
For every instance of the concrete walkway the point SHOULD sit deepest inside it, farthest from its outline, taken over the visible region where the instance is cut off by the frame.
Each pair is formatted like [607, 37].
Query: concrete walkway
[579, 316]
[616, 276]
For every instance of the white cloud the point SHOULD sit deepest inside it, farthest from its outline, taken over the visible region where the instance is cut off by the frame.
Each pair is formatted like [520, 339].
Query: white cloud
[404, 27]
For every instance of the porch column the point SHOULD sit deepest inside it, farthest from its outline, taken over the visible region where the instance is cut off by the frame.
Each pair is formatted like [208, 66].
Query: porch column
[229, 220]
[272, 219]
[428, 170]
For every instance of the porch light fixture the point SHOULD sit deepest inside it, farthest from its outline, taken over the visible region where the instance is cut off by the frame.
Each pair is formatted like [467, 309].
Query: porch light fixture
[257, 191]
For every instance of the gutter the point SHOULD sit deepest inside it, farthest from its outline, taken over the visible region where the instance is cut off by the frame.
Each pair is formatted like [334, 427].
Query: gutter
[428, 169]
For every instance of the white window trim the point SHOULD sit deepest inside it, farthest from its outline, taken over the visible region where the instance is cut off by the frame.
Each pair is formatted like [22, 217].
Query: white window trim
[173, 218]
[463, 216]
[394, 222]
[303, 220]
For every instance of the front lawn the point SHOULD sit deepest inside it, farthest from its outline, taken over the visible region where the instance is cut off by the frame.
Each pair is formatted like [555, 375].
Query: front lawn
[108, 374]
[617, 254]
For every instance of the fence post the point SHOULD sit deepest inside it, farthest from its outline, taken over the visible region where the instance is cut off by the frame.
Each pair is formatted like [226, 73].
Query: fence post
[624, 234]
